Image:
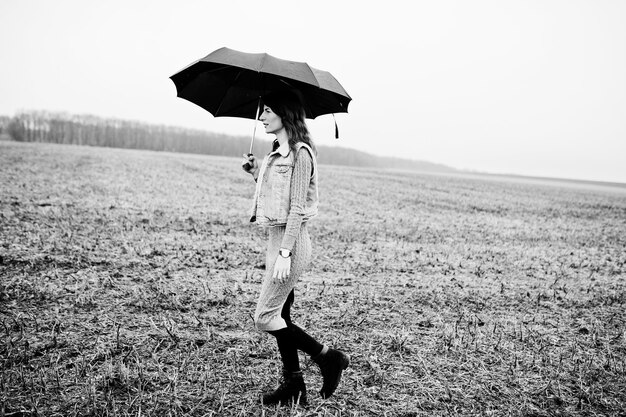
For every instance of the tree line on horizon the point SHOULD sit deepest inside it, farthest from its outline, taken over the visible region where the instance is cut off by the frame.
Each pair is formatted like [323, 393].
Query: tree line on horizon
[89, 130]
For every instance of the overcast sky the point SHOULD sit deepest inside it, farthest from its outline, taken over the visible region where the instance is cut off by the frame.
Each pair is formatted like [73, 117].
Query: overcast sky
[525, 87]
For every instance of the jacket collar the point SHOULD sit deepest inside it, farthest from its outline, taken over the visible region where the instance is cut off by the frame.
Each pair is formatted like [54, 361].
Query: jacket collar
[283, 150]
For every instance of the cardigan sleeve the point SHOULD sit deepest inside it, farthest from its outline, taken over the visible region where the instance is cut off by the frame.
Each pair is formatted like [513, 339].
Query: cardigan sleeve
[300, 180]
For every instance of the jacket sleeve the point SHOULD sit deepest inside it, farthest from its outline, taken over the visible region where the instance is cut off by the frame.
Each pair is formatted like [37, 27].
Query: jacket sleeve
[300, 180]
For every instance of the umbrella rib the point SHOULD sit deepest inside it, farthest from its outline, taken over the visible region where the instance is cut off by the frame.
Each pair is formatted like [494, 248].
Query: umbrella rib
[226, 92]
[262, 63]
[313, 74]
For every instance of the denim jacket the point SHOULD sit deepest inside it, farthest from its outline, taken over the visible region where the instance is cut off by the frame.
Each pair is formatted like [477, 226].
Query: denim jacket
[273, 189]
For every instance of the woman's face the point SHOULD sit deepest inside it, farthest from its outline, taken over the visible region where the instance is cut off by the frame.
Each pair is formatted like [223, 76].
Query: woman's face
[271, 121]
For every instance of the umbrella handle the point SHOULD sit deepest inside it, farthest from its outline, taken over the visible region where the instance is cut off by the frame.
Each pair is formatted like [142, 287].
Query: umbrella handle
[248, 166]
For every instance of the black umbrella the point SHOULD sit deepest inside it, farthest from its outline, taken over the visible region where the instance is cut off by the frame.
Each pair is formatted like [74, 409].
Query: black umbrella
[230, 83]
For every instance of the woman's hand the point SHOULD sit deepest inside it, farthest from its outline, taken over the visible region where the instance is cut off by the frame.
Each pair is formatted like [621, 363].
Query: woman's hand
[282, 268]
[250, 165]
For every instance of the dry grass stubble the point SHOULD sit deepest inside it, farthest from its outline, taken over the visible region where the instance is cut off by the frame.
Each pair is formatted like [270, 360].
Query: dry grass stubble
[129, 277]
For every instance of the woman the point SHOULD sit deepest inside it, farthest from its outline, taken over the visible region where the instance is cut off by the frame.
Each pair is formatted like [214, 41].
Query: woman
[286, 198]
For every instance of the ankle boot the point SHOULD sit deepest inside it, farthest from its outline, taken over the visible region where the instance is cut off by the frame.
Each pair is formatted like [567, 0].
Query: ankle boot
[332, 363]
[290, 391]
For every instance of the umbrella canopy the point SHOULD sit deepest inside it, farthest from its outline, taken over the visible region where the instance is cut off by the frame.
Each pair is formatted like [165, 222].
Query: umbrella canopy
[229, 83]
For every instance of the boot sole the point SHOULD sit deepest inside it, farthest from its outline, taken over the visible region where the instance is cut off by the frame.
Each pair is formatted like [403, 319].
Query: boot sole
[302, 401]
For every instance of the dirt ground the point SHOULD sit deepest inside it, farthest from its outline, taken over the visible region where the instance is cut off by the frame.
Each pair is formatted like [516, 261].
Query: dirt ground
[128, 280]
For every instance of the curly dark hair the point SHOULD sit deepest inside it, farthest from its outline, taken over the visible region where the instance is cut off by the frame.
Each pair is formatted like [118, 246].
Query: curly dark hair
[289, 108]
